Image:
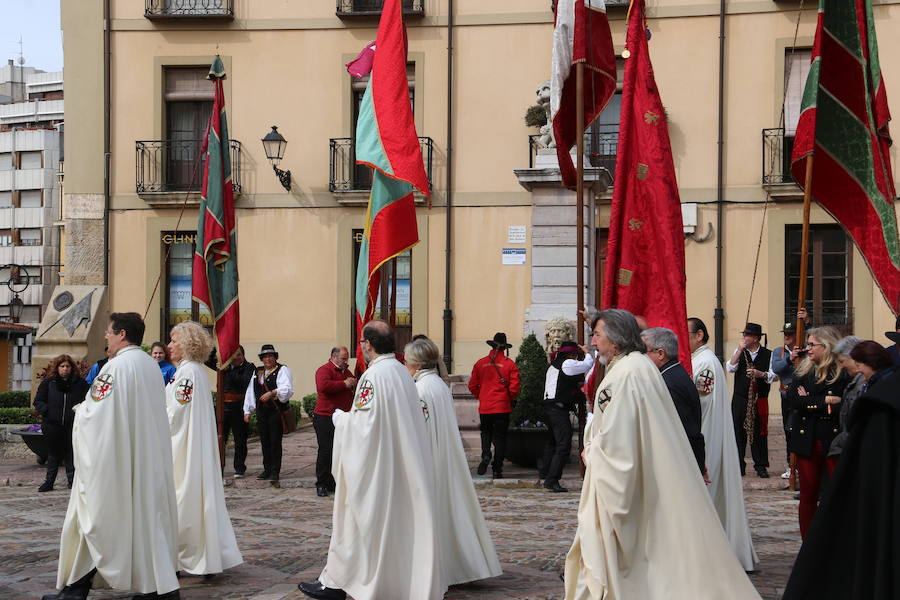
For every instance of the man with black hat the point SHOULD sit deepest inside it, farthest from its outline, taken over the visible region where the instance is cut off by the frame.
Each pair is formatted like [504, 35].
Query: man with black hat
[750, 365]
[268, 394]
[495, 383]
[562, 393]
[894, 336]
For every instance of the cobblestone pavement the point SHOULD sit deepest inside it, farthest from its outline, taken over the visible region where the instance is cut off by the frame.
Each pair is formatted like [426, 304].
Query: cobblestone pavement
[283, 533]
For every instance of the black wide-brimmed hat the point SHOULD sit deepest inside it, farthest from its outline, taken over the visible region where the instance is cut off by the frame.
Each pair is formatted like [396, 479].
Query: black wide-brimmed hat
[499, 342]
[753, 329]
[268, 349]
[894, 336]
[789, 328]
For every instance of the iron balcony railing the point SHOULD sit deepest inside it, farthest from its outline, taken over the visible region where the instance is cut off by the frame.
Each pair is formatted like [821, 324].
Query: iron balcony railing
[347, 176]
[166, 9]
[372, 8]
[776, 156]
[173, 166]
[600, 148]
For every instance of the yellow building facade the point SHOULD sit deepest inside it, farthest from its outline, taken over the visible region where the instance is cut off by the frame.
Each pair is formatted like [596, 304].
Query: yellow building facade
[285, 67]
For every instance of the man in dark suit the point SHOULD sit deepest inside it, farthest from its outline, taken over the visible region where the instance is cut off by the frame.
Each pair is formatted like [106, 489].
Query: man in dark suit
[750, 364]
[662, 349]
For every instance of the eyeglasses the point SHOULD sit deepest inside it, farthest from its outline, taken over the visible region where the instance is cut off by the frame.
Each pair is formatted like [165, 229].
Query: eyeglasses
[810, 345]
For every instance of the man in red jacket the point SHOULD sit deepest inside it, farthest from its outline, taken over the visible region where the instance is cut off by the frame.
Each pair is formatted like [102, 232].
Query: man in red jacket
[495, 382]
[334, 388]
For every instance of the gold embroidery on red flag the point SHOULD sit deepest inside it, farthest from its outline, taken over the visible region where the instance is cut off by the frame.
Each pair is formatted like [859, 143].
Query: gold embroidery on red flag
[624, 277]
[642, 170]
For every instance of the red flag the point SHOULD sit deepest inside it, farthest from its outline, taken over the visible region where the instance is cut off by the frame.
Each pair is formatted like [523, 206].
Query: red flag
[581, 35]
[844, 123]
[645, 257]
[362, 64]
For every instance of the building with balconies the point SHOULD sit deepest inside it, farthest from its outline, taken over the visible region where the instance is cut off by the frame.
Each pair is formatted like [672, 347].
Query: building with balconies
[30, 158]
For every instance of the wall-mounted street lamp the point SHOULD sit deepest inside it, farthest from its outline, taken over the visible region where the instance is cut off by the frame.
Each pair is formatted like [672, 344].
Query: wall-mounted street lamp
[18, 282]
[274, 144]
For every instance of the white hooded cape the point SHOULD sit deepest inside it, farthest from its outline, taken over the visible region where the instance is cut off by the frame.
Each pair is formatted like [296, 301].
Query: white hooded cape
[206, 542]
[384, 543]
[122, 516]
[646, 527]
[467, 552]
[725, 487]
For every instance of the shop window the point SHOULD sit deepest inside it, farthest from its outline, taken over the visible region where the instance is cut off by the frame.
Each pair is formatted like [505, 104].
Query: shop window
[178, 303]
[394, 304]
[829, 276]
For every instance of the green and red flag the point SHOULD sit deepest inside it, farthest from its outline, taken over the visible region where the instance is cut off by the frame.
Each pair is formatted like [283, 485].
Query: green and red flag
[215, 275]
[844, 125]
[645, 252]
[386, 140]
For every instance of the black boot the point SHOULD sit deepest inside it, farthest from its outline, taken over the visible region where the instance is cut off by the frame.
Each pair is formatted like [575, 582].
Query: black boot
[47, 486]
[483, 465]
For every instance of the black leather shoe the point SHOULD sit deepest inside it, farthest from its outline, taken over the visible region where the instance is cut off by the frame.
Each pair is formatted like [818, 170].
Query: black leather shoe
[555, 487]
[173, 595]
[317, 590]
[321, 491]
[482, 466]
[264, 475]
[68, 593]
[762, 473]
[46, 487]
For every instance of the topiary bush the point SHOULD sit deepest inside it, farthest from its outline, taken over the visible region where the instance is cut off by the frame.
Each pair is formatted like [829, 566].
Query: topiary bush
[15, 399]
[532, 364]
[309, 404]
[13, 416]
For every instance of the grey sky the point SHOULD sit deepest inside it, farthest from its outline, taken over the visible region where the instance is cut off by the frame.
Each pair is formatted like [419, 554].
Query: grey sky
[37, 22]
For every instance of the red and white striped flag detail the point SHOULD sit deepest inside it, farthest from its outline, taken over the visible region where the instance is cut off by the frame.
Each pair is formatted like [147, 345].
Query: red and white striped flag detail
[581, 35]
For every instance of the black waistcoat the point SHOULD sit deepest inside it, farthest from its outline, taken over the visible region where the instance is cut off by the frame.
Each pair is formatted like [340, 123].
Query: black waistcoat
[568, 387]
[742, 382]
[271, 384]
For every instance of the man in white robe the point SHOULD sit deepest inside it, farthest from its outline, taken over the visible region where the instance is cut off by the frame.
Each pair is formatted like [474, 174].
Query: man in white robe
[121, 527]
[467, 551]
[384, 540]
[725, 487]
[206, 542]
[646, 527]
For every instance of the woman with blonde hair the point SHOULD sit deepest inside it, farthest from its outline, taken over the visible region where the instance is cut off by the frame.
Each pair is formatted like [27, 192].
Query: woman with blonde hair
[815, 394]
[206, 542]
[56, 398]
[467, 552]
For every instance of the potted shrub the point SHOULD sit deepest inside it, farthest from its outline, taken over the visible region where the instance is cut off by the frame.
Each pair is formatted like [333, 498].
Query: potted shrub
[527, 433]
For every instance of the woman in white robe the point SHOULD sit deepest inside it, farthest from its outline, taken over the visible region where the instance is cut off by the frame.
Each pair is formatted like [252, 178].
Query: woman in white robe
[206, 542]
[466, 548]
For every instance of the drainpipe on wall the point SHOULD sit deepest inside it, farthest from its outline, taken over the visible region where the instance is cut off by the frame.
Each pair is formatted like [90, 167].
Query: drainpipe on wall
[719, 314]
[448, 312]
[107, 101]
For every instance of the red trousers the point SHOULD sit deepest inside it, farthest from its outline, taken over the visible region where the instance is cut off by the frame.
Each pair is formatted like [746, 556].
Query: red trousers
[809, 469]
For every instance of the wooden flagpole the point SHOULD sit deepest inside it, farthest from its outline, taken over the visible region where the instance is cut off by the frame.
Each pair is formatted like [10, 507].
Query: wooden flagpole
[579, 199]
[579, 237]
[801, 295]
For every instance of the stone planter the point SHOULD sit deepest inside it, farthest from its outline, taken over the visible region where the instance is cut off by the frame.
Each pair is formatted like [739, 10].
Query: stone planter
[525, 445]
[36, 443]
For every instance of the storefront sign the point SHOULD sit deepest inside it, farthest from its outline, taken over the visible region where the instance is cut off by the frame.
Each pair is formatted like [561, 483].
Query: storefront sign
[177, 237]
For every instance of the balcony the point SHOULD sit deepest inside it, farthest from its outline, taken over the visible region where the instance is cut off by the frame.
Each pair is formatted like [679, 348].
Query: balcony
[172, 167]
[189, 9]
[346, 176]
[372, 8]
[776, 164]
[599, 147]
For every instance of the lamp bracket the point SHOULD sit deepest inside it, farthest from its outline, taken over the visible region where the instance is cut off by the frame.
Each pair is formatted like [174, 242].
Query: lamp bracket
[284, 177]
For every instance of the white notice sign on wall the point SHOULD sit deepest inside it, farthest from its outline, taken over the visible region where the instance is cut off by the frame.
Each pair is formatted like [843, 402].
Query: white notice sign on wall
[514, 256]
[515, 234]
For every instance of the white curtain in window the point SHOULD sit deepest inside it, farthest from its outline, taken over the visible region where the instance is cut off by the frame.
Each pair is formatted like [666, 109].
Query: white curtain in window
[30, 199]
[796, 68]
[30, 160]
